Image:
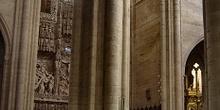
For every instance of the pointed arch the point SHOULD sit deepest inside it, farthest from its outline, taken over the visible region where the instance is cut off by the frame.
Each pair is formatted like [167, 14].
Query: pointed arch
[194, 44]
[6, 34]
[2, 54]
[5, 40]
[194, 77]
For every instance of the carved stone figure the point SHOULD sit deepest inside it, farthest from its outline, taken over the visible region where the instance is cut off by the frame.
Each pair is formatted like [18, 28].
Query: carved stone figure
[64, 80]
[41, 74]
[45, 81]
[50, 83]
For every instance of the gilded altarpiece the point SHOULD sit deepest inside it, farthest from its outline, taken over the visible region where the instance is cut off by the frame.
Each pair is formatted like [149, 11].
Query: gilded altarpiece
[53, 62]
[193, 88]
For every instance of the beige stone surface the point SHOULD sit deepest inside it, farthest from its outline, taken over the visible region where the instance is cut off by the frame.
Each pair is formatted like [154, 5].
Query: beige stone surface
[191, 26]
[146, 53]
[7, 10]
[96, 80]
[87, 90]
[184, 23]
[20, 20]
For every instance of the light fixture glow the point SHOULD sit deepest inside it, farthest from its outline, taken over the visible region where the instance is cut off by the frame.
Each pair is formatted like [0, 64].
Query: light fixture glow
[68, 49]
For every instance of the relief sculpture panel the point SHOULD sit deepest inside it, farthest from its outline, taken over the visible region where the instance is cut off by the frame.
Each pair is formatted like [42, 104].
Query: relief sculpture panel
[44, 80]
[53, 61]
[46, 38]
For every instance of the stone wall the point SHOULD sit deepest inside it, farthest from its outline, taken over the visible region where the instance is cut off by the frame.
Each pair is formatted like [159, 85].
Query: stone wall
[145, 53]
[19, 27]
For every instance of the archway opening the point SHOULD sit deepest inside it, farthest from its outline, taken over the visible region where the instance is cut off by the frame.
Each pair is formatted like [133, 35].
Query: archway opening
[2, 54]
[193, 78]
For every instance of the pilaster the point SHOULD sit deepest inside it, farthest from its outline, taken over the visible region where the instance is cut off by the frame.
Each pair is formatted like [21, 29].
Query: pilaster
[171, 75]
[25, 45]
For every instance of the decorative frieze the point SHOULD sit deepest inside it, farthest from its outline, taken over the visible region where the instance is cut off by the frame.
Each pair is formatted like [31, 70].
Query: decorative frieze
[39, 105]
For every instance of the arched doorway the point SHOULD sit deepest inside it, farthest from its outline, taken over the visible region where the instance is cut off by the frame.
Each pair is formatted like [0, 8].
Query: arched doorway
[2, 54]
[193, 78]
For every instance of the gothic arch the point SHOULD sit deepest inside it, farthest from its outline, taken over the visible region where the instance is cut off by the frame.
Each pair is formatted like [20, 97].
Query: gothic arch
[6, 36]
[194, 82]
[194, 44]
[2, 54]
[196, 55]
[6, 45]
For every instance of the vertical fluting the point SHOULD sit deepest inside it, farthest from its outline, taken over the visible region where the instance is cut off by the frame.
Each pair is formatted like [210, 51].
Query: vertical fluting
[33, 44]
[27, 54]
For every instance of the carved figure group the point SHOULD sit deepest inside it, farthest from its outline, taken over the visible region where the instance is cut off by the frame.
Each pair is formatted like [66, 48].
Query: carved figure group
[44, 81]
[46, 38]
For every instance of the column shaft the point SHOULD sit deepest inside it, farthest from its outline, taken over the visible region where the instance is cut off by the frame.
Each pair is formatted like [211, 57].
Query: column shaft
[22, 62]
[113, 54]
[126, 56]
[177, 57]
[33, 47]
[105, 23]
[164, 100]
[74, 99]
[27, 26]
[212, 26]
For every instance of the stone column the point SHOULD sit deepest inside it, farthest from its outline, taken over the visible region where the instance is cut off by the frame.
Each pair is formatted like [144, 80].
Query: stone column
[23, 55]
[33, 47]
[100, 55]
[212, 37]
[126, 56]
[177, 57]
[85, 90]
[113, 54]
[26, 33]
[74, 96]
[171, 75]
[164, 94]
